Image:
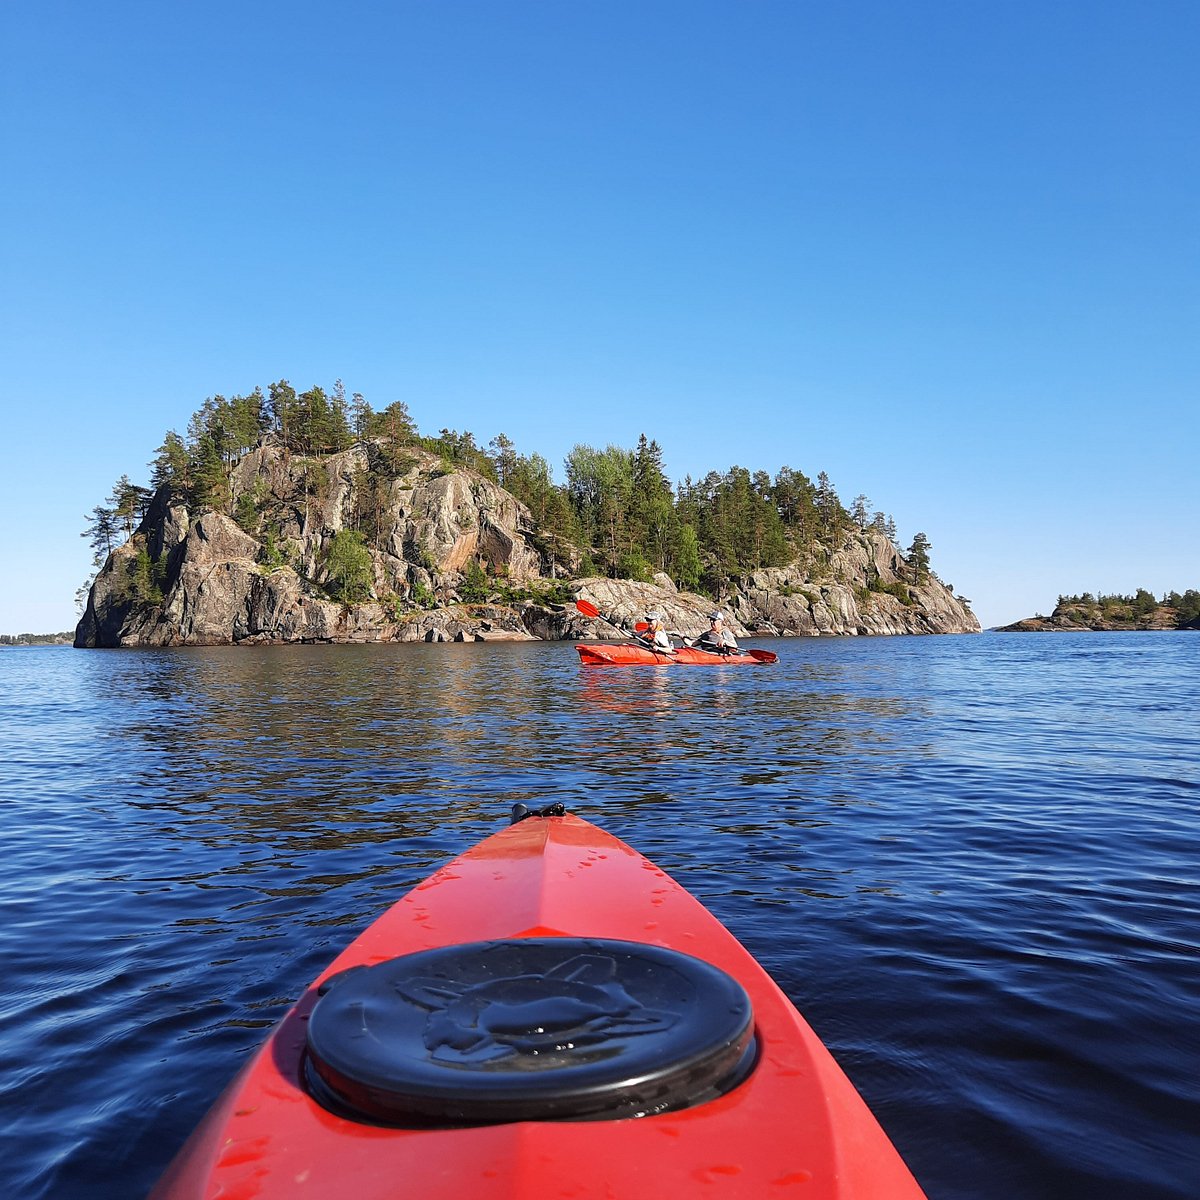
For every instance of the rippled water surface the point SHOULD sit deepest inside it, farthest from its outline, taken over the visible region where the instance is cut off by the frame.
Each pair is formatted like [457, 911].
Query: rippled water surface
[972, 862]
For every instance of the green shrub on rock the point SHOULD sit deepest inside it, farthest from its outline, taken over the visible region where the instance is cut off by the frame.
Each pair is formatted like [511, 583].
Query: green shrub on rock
[348, 567]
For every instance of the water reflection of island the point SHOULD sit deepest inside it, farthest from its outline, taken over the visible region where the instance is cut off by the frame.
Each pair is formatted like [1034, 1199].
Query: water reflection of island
[321, 765]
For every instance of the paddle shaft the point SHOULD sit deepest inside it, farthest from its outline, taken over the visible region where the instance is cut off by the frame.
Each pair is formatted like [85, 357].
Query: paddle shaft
[590, 610]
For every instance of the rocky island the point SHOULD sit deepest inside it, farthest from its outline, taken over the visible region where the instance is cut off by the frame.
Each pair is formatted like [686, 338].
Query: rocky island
[307, 518]
[1099, 613]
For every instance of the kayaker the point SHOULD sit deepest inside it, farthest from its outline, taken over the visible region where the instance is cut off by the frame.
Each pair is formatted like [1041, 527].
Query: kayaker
[716, 639]
[655, 635]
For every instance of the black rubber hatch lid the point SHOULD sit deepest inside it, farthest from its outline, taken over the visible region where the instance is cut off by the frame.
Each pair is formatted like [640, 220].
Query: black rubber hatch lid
[528, 1029]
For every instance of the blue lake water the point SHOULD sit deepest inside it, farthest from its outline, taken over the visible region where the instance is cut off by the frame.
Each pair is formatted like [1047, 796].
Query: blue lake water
[972, 862]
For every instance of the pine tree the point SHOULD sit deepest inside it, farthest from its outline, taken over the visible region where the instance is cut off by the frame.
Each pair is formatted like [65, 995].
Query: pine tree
[396, 426]
[242, 422]
[101, 532]
[395, 423]
[918, 555]
[210, 484]
[171, 464]
[311, 426]
[144, 585]
[504, 456]
[830, 514]
[282, 410]
[651, 508]
[361, 416]
[340, 417]
[129, 502]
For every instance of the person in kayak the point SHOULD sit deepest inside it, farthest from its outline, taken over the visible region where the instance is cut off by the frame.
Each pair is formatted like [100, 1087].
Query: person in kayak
[655, 635]
[716, 639]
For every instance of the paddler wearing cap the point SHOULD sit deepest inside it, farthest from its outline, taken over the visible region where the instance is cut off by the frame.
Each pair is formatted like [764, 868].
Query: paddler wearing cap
[716, 639]
[655, 635]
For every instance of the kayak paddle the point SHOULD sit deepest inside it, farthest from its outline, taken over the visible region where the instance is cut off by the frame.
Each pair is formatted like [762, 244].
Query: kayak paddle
[590, 610]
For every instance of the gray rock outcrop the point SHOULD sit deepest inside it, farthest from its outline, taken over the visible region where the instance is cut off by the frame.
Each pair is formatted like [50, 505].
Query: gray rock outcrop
[867, 588]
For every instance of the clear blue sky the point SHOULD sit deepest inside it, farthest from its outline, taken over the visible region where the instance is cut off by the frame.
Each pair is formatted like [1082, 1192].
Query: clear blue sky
[947, 252]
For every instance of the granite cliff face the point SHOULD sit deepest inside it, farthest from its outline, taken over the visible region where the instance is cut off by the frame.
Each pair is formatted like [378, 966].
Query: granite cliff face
[220, 584]
[203, 579]
[866, 588]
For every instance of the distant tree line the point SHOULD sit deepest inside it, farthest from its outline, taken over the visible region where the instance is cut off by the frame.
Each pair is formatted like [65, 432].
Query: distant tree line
[1140, 604]
[616, 513]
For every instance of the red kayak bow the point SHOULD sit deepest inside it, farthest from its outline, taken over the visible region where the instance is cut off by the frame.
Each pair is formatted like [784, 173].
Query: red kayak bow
[548, 1015]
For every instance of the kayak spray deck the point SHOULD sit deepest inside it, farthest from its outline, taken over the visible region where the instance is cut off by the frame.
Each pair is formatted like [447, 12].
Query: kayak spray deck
[548, 1014]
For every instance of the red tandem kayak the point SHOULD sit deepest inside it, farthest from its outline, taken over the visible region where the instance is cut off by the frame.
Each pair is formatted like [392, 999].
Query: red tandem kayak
[548, 1015]
[624, 653]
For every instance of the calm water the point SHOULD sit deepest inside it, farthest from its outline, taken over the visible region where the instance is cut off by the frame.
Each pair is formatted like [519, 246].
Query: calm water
[973, 862]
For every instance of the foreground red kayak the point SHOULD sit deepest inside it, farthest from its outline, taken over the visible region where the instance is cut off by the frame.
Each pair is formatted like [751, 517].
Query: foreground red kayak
[548, 1015]
[626, 653]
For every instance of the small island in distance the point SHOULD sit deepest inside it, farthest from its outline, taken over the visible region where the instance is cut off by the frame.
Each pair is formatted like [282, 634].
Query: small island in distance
[1140, 611]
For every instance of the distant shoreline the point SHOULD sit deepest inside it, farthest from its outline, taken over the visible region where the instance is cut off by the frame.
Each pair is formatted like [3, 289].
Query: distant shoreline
[36, 639]
[1139, 612]
[1033, 625]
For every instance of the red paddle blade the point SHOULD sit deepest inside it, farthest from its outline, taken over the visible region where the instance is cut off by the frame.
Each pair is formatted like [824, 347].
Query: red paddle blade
[763, 655]
[641, 627]
[587, 608]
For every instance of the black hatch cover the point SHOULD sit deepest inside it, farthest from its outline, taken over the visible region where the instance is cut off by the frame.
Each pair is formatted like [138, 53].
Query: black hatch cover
[528, 1029]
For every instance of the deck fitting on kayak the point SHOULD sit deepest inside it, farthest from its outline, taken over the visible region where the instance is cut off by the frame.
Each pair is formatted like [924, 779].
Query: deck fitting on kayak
[521, 811]
[529, 1029]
